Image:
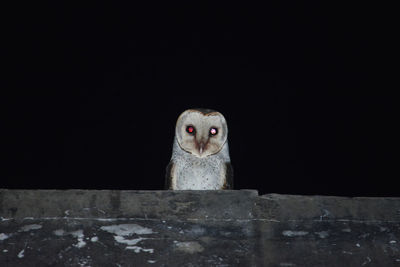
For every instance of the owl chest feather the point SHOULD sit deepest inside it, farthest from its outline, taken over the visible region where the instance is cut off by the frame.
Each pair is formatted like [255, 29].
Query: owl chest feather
[190, 172]
[199, 174]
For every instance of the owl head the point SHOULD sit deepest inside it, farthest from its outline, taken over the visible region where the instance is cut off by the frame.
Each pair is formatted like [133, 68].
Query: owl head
[201, 132]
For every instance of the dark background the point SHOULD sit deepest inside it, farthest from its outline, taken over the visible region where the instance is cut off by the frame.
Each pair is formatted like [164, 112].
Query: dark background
[92, 92]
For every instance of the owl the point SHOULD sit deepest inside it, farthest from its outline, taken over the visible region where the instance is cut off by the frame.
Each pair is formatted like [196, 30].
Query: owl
[200, 154]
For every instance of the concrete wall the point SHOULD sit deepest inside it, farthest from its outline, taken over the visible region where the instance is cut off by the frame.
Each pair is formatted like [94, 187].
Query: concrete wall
[195, 228]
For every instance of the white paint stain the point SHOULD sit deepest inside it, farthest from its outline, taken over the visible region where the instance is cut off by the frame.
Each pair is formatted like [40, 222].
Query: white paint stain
[189, 247]
[5, 250]
[127, 229]
[294, 233]
[85, 262]
[322, 234]
[151, 261]
[94, 239]
[30, 227]
[137, 249]
[80, 243]
[358, 245]
[121, 231]
[59, 232]
[21, 254]
[393, 242]
[3, 236]
[347, 252]
[79, 235]
[129, 242]
[368, 260]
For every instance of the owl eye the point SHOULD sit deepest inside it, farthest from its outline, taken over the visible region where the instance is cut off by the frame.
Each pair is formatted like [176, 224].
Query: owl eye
[190, 129]
[213, 131]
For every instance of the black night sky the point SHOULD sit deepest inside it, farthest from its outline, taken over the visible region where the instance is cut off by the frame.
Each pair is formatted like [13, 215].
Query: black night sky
[91, 94]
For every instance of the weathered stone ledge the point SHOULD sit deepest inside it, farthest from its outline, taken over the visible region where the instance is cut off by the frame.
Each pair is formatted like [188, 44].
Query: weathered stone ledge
[195, 228]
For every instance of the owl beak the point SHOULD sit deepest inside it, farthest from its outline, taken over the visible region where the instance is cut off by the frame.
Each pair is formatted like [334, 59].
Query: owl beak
[201, 147]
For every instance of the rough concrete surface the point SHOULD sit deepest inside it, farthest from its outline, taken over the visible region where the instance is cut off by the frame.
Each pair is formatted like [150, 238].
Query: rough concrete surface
[195, 228]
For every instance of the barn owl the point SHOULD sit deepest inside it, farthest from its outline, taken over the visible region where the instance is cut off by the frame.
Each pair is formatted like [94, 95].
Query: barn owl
[200, 154]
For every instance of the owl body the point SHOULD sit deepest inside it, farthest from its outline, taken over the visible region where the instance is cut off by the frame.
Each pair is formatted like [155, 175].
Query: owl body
[200, 155]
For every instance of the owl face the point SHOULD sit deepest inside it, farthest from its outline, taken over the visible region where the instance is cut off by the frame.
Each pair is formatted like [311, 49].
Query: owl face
[201, 132]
